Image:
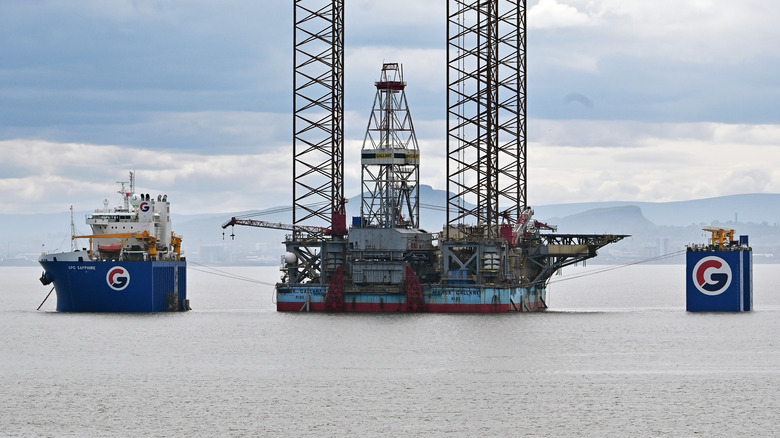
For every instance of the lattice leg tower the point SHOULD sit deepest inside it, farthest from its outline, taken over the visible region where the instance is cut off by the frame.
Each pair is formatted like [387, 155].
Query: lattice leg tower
[486, 140]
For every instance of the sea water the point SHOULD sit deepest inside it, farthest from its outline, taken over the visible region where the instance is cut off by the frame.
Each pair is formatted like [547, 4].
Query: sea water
[615, 355]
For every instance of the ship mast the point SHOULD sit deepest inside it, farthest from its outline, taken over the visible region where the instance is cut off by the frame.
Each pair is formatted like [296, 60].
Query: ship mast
[126, 195]
[72, 231]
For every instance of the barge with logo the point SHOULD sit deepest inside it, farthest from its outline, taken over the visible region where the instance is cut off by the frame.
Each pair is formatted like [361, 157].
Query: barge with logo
[133, 262]
[719, 275]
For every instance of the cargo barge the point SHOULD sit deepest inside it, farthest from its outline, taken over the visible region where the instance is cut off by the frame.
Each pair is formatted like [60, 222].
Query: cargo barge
[719, 274]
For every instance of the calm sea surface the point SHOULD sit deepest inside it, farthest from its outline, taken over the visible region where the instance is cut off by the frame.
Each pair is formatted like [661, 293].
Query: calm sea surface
[616, 355]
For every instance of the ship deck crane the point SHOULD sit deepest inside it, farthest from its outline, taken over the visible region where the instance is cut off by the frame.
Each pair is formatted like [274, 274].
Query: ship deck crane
[150, 241]
[720, 236]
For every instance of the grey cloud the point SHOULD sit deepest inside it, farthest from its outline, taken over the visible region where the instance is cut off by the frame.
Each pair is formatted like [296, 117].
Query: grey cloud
[207, 78]
[80, 71]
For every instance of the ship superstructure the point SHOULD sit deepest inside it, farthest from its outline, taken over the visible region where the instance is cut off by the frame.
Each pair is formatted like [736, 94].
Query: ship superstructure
[137, 229]
[132, 263]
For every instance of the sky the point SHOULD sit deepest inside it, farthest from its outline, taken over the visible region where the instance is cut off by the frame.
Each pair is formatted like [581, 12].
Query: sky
[628, 100]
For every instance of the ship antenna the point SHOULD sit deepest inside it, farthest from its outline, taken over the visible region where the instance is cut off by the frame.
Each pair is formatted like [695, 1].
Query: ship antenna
[132, 190]
[125, 194]
[72, 231]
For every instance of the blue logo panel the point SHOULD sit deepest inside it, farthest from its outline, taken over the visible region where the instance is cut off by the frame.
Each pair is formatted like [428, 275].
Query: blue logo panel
[718, 281]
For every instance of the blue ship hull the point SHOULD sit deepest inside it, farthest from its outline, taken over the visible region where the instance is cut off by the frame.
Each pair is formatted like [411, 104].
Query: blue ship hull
[118, 286]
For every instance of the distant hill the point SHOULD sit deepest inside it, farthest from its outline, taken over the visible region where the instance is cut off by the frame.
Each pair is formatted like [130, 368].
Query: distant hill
[757, 208]
[656, 228]
[611, 220]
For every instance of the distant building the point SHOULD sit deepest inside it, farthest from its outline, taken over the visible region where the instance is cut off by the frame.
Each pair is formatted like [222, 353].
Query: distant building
[212, 254]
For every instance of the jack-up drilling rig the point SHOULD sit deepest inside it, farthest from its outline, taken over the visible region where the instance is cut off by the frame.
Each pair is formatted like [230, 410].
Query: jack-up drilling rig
[491, 255]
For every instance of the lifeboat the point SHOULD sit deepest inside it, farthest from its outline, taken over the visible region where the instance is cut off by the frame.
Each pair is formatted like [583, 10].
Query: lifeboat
[113, 248]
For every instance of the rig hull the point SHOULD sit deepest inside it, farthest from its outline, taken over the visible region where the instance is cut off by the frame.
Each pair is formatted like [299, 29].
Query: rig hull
[437, 299]
[118, 286]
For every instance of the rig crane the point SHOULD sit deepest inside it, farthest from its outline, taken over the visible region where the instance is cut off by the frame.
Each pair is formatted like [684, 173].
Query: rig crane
[311, 230]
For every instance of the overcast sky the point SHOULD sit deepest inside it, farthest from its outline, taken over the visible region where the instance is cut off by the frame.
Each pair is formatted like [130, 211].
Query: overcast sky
[638, 100]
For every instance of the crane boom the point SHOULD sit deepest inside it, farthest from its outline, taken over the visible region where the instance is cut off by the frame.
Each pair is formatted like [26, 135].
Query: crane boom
[276, 225]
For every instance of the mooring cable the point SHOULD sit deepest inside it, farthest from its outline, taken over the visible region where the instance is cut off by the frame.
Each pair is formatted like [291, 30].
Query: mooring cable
[611, 268]
[47, 297]
[220, 273]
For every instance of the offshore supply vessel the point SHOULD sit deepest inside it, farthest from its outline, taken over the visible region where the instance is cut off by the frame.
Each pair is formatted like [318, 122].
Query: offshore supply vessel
[385, 262]
[133, 262]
